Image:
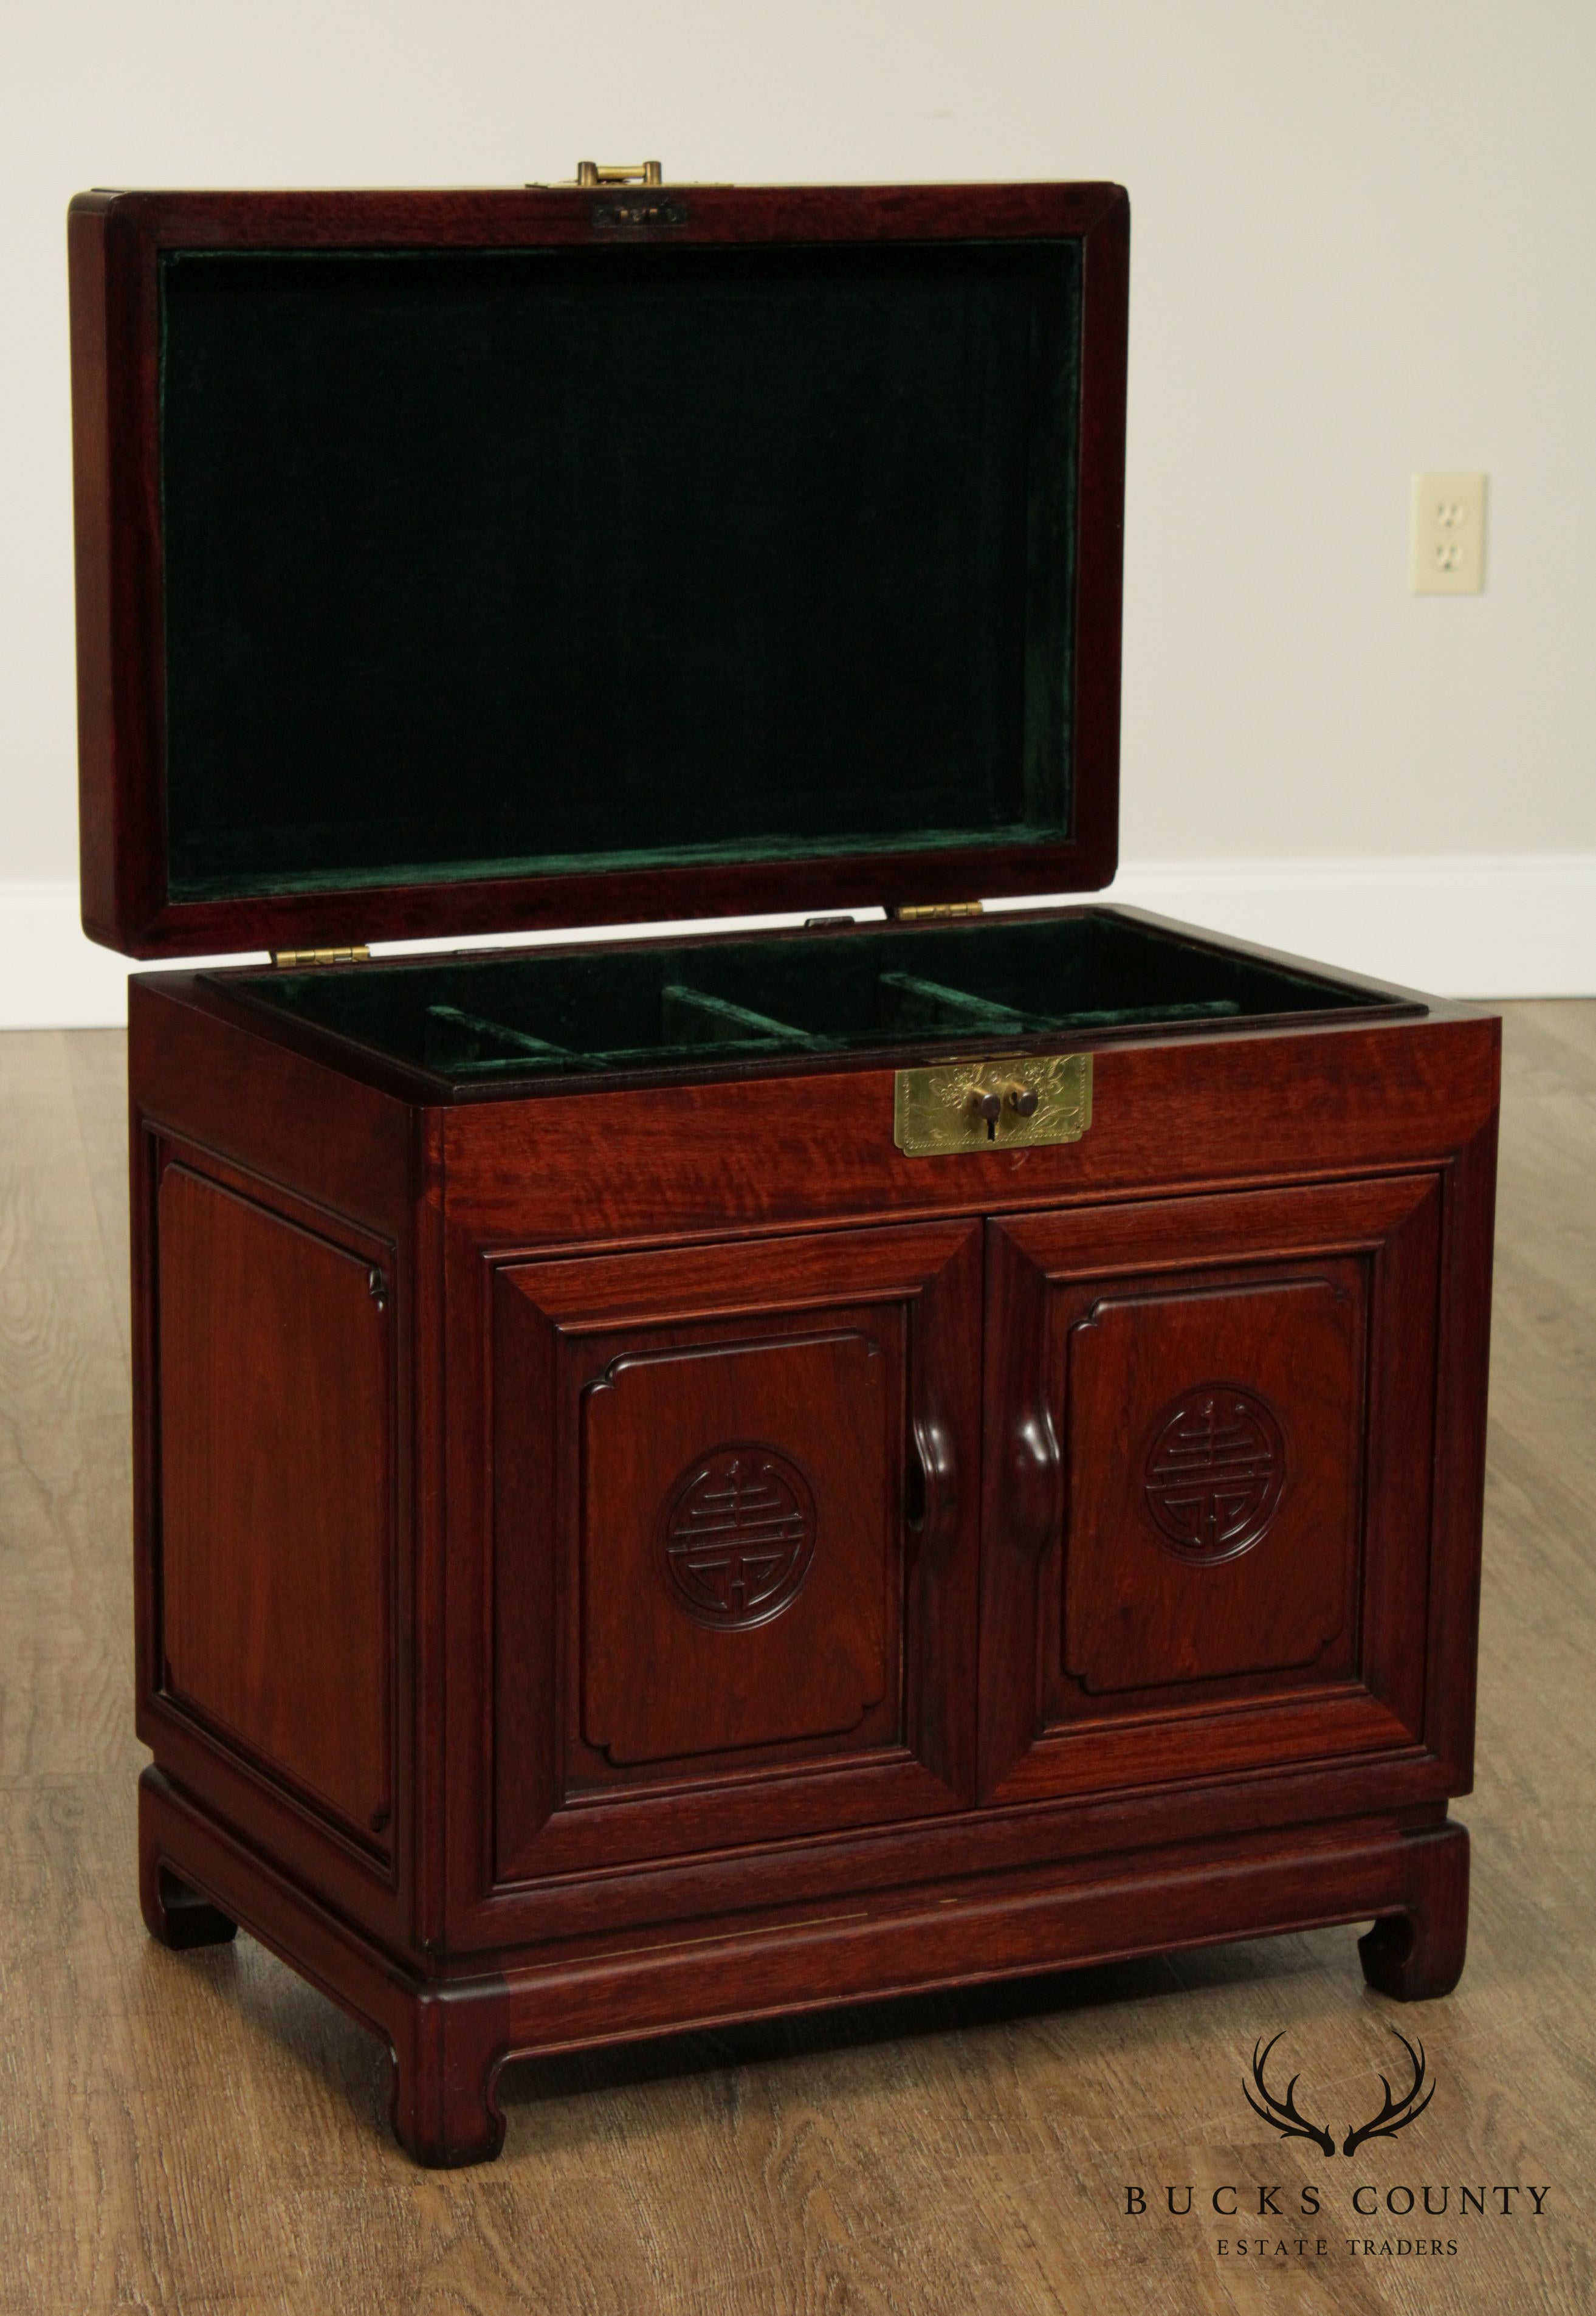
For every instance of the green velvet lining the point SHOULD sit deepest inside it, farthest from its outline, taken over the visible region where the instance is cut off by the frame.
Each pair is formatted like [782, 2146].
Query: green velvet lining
[542, 1013]
[510, 562]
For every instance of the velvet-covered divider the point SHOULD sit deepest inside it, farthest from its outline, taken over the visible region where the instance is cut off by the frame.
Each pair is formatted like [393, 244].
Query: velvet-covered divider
[502, 562]
[540, 1014]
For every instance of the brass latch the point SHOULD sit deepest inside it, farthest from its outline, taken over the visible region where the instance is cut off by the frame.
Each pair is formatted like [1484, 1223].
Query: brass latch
[912, 913]
[360, 955]
[1015, 1103]
[618, 172]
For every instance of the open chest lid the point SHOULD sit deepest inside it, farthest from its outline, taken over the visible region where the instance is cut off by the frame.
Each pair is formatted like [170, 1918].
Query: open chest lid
[470, 562]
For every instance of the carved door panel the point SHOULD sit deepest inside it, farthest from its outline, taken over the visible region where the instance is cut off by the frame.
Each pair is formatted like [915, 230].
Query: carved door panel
[1207, 1484]
[735, 1528]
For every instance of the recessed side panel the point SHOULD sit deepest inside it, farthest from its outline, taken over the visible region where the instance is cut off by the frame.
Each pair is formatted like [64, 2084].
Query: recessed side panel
[276, 1496]
[1215, 1461]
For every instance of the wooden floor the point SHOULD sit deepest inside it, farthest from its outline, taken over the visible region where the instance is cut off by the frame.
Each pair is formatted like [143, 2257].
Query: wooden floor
[202, 2133]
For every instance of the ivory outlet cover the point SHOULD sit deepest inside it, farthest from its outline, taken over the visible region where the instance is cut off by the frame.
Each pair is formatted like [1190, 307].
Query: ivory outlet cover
[1448, 535]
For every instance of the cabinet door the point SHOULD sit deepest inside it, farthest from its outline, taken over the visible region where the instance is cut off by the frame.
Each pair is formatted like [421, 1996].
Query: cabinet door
[735, 1514]
[1209, 1478]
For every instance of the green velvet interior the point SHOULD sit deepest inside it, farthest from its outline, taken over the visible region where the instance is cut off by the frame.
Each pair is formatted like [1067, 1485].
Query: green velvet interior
[540, 1013]
[498, 563]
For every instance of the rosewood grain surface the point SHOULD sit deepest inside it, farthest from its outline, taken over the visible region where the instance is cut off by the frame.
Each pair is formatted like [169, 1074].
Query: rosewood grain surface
[1221, 1539]
[277, 1494]
[532, 1611]
[334, 1162]
[1167, 1115]
[591, 1777]
[911, 2157]
[853, 1362]
[1130, 1637]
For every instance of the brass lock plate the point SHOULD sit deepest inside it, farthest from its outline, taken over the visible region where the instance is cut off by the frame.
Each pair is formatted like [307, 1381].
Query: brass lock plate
[1014, 1103]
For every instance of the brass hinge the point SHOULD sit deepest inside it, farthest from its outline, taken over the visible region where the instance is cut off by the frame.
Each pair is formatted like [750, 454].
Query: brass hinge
[618, 172]
[358, 955]
[913, 914]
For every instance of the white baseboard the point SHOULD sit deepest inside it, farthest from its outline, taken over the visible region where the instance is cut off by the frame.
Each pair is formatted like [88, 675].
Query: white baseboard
[50, 976]
[1510, 925]
[1515, 925]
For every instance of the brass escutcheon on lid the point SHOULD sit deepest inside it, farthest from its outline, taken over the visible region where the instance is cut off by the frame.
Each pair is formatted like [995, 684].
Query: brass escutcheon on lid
[1019, 1101]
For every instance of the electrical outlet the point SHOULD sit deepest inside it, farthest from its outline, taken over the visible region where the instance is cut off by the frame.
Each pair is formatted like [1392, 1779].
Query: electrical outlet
[1448, 541]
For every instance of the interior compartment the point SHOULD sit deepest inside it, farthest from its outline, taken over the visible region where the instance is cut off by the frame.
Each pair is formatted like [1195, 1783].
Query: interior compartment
[544, 1013]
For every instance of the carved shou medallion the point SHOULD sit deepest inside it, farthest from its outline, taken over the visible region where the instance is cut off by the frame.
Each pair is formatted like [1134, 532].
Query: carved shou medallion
[739, 1535]
[1215, 1472]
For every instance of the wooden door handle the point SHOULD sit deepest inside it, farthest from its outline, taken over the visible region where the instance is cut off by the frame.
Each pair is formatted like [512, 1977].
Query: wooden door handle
[1036, 1481]
[933, 1518]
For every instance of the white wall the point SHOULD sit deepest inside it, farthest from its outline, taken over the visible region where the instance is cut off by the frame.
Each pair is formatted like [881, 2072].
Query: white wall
[1362, 245]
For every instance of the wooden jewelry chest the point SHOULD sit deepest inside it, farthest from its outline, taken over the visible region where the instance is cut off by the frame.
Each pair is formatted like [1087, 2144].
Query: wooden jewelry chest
[678, 1479]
